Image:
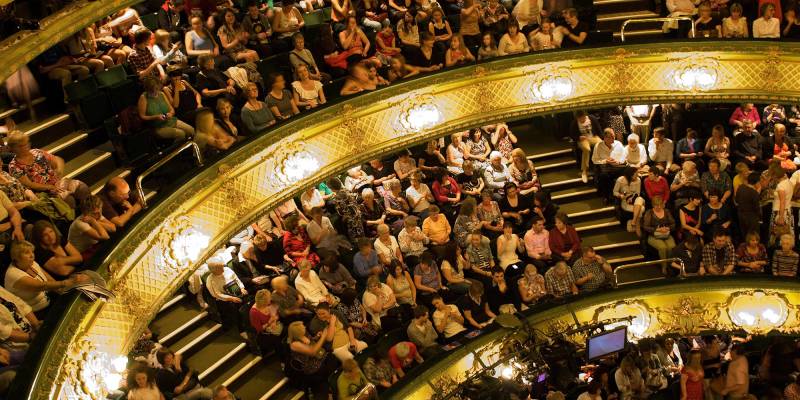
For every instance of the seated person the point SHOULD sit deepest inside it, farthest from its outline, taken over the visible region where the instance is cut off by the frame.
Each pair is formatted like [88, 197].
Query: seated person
[531, 286]
[560, 281]
[263, 254]
[719, 255]
[174, 378]
[41, 171]
[537, 244]
[290, 302]
[705, 25]
[591, 271]
[256, 115]
[265, 320]
[357, 179]
[785, 259]
[90, 228]
[419, 195]
[661, 151]
[402, 355]
[627, 190]
[715, 214]
[351, 380]
[365, 261]
[118, 204]
[229, 293]
[747, 146]
[387, 247]
[343, 339]
[479, 258]
[311, 287]
[379, 371]
[437, 229]
[716, 180]
[447, 318]
[335, 276]
[323, 235]
[381, 304]
[157, 112]
[685, 183]
[373, 212]
[608, 160]
[499, 292]
[564, 241]
[689, 251]
[751, 255]
[659, 224]
[497, 174]
[421, 332]
[213, 85]
[476, 307]
[296, 242]
[19, 326]
[412, 240]
[427, 279]
[141, 58]
[53, 251]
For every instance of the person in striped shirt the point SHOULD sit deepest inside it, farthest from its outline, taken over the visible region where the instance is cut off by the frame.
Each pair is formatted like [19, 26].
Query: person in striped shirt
[785, 259]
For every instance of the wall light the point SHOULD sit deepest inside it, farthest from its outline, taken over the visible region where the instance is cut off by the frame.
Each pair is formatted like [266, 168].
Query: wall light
[100, 373]
[419, 113]
[757, 311]
[188, 245]
[695, 74]
[635, 309]
[552, 85]
[298, 166]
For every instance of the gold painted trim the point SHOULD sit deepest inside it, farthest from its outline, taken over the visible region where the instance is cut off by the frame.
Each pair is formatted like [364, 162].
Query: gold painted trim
[223, 198]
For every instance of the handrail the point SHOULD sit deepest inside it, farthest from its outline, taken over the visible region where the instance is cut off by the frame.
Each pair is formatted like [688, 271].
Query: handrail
[197, 155]
[660, 19]
[646, 263]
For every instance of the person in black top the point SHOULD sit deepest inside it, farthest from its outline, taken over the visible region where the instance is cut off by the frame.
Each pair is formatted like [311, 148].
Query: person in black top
[471, 184]
[265, 255]
[516, 206]
[475, 307]
[431, 160]
[545, 208]
[747, 204]
[427, 55]
[499, 291]
[174, 378]
[185, 100]
[54, 252]
[690, 252]
[173, 20]
[379, 171]
[212, 84]
[791, 25]
[574, 31]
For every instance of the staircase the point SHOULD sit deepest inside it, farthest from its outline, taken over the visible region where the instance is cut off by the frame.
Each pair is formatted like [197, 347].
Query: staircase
[220, 355]
[612, 13]
[88, 154]
[596, 223]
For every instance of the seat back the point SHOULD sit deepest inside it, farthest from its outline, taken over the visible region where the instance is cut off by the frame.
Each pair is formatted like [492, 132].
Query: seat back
[79, 90]
[150, 21]
[111, 76]
[316, 17]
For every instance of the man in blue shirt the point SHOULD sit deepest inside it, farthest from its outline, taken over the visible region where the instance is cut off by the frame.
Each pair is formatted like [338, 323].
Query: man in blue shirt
[365, 262]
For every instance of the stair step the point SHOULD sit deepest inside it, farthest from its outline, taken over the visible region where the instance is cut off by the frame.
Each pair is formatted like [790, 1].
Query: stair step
[175, 300]
[84, 162]
[615, 6]
[13, 111]
[272, 391]
[543, 156]
[31, 128]
[237, 363]
[70, 146]
[609, 238]
[622, 255]
[607, 222]
[613, 22]
[588, 206]
[287, 392]
[216, 353]
[640, 34]
[199, 335]
[185, 327]
[256, 360]
[174, 317]
[572, 193]
[555, 163]
[259, 380]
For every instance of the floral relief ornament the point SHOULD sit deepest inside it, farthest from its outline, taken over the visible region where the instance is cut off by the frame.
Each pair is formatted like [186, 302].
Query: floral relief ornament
[689, 316]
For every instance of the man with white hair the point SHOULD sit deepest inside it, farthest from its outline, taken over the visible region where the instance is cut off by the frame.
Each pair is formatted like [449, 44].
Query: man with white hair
[229, 292]
[497, 174]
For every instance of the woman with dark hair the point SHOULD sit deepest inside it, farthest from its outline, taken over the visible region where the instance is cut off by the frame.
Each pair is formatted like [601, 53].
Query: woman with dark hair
[256, 115]
[280, 100]
[513, 41]
[233, 38]
[627, 190]
[564, 241]
[353, 41]
[690, 215]
[401, 283]
[296, 242]
[515, 207]
[428, 55]
[545, 208]
[356, 315]
[490, 215]
[286, 21]
[439, 28]
[53, 251]
[447, 193]
[358, 80]
[509, 246]
[466, 222]
[176, 380]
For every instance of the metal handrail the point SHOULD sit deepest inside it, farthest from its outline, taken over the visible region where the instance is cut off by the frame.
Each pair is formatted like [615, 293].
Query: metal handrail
[646, 263]
[197, 155]
[660, 19]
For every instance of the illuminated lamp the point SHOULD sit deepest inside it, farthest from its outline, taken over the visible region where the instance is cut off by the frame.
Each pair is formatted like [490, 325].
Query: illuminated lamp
[757, 311]
[637, 311]
[552, 85]
[695, 74]
[419, 113]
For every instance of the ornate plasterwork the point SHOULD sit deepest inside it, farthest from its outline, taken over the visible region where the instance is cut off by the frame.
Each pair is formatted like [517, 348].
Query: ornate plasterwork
[224, 197]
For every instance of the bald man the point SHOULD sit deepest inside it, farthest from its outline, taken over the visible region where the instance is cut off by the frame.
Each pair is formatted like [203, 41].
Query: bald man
[118, 204]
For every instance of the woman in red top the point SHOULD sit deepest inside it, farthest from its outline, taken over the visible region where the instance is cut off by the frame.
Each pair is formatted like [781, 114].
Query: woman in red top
[656, 184]
[264, 319]
[564, 241]
[296, 242]
[385, 40]
[692, 377]
[446, 192]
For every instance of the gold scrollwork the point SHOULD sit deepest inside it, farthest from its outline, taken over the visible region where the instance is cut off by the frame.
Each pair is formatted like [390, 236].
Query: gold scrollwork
[772, 75]
[172, 262]
[622, 75]
[689, 316]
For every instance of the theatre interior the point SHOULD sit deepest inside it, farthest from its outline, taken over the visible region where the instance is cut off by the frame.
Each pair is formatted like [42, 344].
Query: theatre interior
[399, 199]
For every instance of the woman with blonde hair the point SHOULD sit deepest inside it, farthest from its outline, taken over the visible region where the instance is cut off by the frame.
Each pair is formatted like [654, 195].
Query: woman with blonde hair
[523, 173]
[455, 154]
[157, 111]
[309, 358]
[265, 321]
[719, 146]
[692, 377]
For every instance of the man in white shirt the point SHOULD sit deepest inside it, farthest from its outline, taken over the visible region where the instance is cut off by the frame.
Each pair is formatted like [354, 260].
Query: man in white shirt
[609, 161]
[661, 150]
[447, 318]
[229, 291]
[311, 287]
